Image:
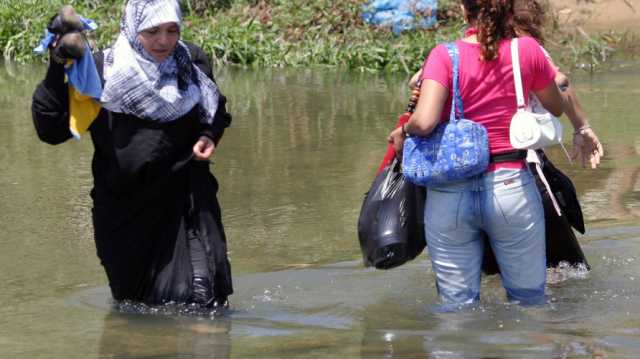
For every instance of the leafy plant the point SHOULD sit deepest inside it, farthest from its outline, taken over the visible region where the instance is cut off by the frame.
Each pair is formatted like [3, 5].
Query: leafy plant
[278, 33]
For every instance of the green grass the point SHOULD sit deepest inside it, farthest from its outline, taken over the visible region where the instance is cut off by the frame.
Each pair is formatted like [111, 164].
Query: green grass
[593, 52]
[22, 23]
[279, 33]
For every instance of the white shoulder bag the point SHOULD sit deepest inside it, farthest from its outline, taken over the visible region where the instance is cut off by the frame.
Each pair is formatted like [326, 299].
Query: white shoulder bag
[529, 130]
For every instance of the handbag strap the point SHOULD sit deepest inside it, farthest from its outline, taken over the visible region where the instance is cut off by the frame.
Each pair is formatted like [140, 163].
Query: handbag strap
[517, 80]
[517, 76]
[456, 101]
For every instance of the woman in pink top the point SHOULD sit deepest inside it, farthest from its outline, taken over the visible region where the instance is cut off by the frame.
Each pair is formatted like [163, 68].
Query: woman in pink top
[503, 202]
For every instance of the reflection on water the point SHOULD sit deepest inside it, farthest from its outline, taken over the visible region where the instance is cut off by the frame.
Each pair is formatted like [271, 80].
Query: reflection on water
[293, 170]
[130, 336]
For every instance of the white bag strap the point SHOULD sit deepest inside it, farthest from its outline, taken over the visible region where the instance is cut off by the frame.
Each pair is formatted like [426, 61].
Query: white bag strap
[532, 157]
[517, 78]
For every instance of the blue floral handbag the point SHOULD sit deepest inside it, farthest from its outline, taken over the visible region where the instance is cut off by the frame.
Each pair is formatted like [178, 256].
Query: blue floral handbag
[455, 150]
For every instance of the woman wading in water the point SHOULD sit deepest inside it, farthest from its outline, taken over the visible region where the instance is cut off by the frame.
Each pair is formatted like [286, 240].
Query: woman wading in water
[503, 202]
[157, 222]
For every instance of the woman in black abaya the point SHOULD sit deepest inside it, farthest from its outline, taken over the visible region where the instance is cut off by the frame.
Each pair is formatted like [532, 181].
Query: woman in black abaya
[157, 221]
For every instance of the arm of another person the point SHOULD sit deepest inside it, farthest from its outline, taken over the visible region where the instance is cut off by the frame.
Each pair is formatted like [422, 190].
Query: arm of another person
[543, 75]
[551, 99]
[586, 144]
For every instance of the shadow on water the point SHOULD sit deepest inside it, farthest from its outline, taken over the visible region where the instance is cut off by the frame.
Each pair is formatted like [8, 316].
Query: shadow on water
[293, 169]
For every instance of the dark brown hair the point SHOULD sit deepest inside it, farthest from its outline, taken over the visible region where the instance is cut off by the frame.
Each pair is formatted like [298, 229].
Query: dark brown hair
[529, 17]
[493, 19]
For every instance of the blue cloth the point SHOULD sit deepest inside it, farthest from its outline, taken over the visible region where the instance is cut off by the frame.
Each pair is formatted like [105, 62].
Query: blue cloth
[45, 42]
[82, 73]
[506, 205]
[401, 15]
[48, 38]
[456, 149]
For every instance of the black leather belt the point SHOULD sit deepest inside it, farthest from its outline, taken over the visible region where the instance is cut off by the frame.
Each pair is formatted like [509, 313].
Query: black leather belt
[508, 156]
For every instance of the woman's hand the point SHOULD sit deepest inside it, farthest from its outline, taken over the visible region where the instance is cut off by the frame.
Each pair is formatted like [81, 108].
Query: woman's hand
[587, 146]
[413, 82]
[396, 138]
[562, 81]
[203, 149]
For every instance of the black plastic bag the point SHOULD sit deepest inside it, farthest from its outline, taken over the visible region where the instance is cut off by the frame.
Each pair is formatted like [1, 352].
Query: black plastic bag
[565, 193]
[390, 226]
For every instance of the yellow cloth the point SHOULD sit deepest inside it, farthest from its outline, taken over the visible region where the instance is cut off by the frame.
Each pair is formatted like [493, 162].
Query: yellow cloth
[82, 111]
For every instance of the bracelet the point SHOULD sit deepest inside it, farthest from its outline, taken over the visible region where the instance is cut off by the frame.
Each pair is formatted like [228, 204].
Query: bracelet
[581, 130]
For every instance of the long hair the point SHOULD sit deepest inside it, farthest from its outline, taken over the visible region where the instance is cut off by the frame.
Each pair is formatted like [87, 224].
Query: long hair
[492, 19]
[529, 18]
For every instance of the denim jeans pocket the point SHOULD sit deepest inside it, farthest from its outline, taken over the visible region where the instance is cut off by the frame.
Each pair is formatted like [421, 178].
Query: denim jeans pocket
[442, 209]
[518, 203]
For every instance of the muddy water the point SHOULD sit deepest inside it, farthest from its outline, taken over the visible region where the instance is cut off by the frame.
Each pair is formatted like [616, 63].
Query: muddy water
[293, 169]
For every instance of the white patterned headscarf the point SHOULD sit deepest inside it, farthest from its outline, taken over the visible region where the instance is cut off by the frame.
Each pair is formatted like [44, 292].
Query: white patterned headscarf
[137, 85]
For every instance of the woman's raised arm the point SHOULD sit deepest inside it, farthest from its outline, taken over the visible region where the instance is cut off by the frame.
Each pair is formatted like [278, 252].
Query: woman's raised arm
[50, 106]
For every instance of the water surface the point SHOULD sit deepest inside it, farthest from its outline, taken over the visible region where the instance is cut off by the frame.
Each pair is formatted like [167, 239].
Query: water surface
[293, 169]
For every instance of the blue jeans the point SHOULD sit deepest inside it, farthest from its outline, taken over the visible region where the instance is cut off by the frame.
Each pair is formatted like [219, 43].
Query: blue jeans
[506, 205]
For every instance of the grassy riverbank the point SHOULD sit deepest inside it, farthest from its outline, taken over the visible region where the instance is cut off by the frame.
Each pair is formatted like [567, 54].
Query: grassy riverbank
[278, 33]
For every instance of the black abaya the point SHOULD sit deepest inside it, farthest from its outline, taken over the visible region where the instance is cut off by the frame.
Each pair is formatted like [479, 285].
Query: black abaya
[155, 211]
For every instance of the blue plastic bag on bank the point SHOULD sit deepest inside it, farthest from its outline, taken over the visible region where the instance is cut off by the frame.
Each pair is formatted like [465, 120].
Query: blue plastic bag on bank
[391, 222]
[401, 15]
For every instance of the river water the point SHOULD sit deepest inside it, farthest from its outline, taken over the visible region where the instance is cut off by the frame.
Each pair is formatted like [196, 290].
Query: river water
[293, 168]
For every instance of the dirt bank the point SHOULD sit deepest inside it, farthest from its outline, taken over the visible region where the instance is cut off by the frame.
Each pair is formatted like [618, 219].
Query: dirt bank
[599, 15]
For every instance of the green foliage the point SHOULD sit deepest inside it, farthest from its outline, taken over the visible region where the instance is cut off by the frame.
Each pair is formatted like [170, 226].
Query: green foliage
[575, 48]
[254, 33]
[278, 33]
[319, 33]
[202, 7]
[22, 23]
[592, 52]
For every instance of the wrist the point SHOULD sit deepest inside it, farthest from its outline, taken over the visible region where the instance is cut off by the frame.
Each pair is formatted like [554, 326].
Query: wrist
[582, 129]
